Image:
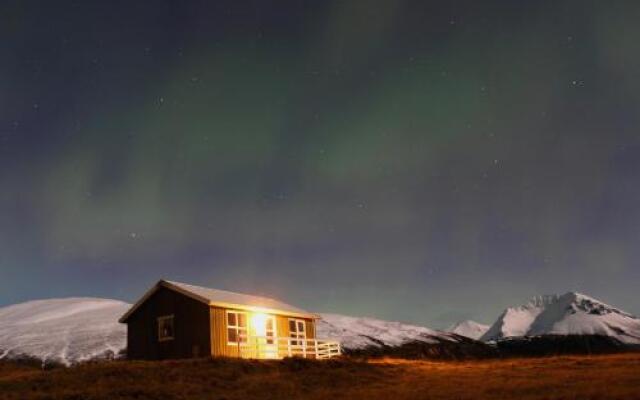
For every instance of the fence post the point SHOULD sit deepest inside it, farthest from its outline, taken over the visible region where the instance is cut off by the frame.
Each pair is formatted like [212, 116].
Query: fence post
[257, 347]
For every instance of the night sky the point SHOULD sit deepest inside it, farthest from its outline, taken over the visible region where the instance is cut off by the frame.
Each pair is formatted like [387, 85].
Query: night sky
[418, 161]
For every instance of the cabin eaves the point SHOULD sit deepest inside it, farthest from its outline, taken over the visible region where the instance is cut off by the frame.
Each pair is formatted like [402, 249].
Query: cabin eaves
[224, 299]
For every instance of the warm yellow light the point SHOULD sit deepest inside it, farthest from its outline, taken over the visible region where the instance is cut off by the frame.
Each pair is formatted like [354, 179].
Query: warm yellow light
[259, 322]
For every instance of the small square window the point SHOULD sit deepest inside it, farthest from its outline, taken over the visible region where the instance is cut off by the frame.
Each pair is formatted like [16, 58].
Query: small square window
[165, 328]
[236, 327]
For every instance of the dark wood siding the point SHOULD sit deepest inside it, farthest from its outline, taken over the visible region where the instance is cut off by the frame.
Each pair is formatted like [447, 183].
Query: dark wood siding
[191, 326]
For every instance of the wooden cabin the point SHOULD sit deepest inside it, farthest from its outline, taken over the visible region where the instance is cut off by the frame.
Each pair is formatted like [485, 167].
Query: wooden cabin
[177, 320]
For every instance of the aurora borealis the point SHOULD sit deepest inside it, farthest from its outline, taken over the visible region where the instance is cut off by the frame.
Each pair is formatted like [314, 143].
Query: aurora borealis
[411, 160]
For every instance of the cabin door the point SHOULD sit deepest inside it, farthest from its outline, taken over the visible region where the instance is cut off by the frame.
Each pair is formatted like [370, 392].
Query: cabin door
[271, 339]
[266, 338]
[298, 334]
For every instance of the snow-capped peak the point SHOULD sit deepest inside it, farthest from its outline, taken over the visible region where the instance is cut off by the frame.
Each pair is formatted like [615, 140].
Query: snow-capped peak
[569, 314]
[469, 328]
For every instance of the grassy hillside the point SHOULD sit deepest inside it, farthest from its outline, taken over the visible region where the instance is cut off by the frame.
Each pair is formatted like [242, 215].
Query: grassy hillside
[575, 377]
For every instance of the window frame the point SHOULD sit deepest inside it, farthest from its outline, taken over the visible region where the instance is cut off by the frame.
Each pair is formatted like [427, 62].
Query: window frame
[298, 338]
[270, 339]
[160, 320]
[240, 339]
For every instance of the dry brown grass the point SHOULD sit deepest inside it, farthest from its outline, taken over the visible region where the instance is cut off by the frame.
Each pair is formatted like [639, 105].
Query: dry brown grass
[578, 377]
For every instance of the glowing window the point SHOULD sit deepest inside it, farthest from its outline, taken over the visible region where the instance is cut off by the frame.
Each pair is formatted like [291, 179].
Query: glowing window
[264, 327]
[236, 327]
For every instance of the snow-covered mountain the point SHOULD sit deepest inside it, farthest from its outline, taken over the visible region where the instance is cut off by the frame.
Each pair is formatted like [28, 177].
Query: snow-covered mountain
[569, 314]
[79, 329]
[470, 329]
[358, 332]
[63, 330]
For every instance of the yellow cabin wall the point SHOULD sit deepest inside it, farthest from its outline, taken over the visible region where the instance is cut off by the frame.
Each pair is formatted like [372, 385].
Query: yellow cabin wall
[282, 326]
[219, 346]
[310, 327]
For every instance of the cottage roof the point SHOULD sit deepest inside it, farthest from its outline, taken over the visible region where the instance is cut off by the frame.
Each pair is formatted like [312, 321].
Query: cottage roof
[225, 299]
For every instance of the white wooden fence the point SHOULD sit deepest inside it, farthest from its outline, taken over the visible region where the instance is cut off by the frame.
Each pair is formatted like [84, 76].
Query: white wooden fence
[279, 347]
